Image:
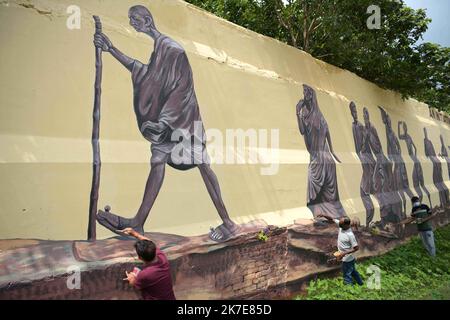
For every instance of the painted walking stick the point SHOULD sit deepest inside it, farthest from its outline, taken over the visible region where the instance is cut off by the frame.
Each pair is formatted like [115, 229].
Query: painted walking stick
[92, 234]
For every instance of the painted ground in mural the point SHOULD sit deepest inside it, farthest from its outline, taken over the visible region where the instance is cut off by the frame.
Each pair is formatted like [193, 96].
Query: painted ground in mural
[119, 146]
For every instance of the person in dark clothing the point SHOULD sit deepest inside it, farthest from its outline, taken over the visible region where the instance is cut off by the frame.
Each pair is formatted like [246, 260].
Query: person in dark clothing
[417, 173]
[421, 211]
[154, 280]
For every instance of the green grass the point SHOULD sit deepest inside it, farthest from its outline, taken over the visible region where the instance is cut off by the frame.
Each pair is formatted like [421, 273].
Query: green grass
[407, 272]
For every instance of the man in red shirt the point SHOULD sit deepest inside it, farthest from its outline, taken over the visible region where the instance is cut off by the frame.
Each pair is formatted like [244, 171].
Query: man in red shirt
[154, 280]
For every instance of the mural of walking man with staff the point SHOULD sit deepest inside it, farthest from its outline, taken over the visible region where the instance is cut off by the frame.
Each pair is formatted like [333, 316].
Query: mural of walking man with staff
[165, 103]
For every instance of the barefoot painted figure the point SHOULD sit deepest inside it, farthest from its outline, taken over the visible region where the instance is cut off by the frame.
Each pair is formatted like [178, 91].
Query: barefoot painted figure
[165, 103]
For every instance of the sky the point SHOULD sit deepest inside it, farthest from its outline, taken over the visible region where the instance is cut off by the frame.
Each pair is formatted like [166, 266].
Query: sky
[439, 11]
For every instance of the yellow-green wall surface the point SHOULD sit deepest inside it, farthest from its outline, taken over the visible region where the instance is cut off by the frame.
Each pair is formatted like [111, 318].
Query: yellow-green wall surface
[242, 80]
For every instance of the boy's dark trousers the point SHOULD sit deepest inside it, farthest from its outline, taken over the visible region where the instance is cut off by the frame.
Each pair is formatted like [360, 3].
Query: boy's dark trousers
[350, 273]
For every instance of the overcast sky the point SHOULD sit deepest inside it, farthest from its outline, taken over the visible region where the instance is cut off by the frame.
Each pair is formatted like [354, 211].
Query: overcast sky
[439, 12]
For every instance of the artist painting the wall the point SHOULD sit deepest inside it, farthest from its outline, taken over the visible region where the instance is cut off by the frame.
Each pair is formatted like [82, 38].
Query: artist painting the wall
[153, 280]
[165, 103]
[347, 245]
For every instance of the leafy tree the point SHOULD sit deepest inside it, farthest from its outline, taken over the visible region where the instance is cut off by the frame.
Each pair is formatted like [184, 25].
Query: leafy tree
[435, 64]
[336, 31]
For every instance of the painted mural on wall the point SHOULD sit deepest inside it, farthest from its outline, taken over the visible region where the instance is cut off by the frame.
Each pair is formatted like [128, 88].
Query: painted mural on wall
[323, 193]
[368, 162]
[417, 173]
[437, 169]
[444, 153]
[394, 152]
[165, 106]
[391, 208]
[164, 103]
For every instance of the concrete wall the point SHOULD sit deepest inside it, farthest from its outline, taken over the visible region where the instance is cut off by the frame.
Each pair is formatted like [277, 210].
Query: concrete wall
[242, 80]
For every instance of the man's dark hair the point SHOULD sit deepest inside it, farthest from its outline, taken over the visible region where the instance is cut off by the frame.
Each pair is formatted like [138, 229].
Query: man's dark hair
[415, 199]
[145, 249]
[345, 222]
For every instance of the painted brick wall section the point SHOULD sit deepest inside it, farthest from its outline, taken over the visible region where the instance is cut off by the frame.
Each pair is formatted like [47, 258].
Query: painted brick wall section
[247, 269]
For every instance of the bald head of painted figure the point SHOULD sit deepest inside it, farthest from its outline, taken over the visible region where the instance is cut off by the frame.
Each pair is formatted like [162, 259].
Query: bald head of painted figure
[142, 20]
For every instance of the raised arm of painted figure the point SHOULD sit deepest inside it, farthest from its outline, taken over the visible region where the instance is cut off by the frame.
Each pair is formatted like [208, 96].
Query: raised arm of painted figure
[102, 41]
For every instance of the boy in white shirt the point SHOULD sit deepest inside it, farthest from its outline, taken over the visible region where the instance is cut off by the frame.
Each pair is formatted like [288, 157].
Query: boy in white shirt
[347, 245]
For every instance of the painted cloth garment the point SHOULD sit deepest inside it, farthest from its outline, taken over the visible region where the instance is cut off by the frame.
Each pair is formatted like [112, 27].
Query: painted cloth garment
[400, 173]
[164, 93]
[368, 164]
[417, 173]
[323, 194]
[390, 202]
[422, 211]
[437, 172]
[154, 281]
[346, 241]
